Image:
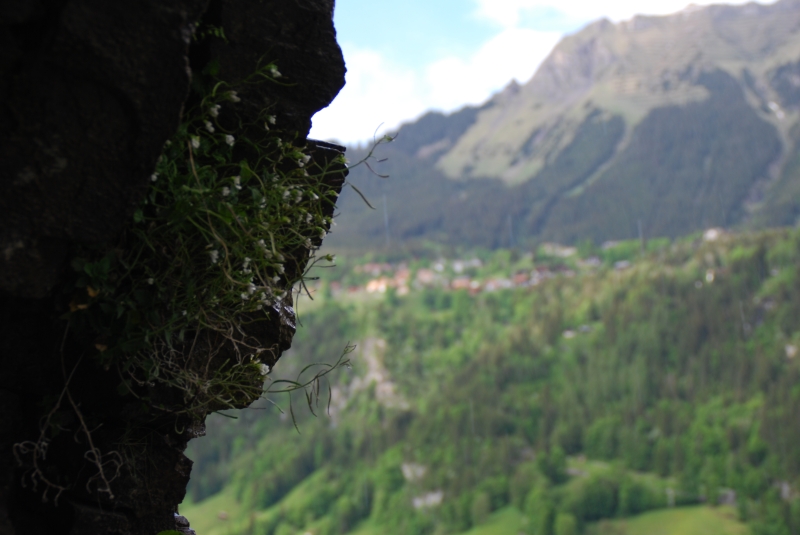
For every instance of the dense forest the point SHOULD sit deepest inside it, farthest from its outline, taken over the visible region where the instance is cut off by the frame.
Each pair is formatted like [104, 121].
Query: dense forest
[594, 384]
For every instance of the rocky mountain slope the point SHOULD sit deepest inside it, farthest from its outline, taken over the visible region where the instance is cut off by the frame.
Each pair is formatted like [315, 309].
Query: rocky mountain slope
[671, 123]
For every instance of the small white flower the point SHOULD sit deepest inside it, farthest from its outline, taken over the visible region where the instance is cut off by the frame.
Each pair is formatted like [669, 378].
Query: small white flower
[251, 288]
[214, 110]
[309, 217]
[226, 191]
[184, 312]
[195, 142]
[150, 280]
[280, 257]
[286, 193]
[275, 72]
[237, 182]
[209, 126]
[271, 119]
[234, 97]
[315, 196]
[276, 278]
[262, 244]
[264, 369]
[229, 139]
[244, 296]
[154, 177]
[306, 158]
[214, 254]
[281, 269]
[322, 233]
[308, 243]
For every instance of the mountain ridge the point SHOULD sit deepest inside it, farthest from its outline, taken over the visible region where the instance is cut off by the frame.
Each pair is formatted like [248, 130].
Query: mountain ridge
[604, 65]
[714, 91]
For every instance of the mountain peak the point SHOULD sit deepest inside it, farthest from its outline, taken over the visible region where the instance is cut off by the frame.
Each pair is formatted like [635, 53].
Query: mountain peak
[628, 68]
[509, 91]
[624, 125]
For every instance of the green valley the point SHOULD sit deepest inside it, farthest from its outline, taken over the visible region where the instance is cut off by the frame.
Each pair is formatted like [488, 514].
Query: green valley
[625, 389]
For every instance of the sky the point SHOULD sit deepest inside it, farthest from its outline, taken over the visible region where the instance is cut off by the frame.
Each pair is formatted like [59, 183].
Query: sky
[405, 58]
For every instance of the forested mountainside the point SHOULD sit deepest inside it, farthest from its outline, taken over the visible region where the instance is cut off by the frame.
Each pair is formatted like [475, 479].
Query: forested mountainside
[664, 125]
[542, 393]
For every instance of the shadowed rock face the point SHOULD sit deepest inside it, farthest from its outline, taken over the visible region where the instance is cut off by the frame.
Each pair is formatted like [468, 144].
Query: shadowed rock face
[89, 92]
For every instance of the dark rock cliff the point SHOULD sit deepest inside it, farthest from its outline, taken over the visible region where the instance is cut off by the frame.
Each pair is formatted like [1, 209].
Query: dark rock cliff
[90, 90]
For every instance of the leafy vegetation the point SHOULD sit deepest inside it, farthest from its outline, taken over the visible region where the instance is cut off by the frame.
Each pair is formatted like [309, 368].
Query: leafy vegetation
[188, 310]
[606, 390]
[224, 232]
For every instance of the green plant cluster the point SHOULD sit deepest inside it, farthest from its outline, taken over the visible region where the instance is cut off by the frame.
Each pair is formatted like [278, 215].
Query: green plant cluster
[677, 384]
[232, 214]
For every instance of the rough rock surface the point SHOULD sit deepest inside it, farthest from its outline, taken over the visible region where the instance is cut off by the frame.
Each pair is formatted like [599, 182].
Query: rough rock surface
[89, 92]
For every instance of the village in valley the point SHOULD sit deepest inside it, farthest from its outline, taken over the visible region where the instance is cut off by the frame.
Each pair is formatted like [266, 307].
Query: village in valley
[453, 275]
[486, 272]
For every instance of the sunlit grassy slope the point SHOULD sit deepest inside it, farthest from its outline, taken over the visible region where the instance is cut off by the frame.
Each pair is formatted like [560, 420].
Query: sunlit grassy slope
[696, 520]
[699, 520]
[205, 516]
[505, 521]
[224, 514]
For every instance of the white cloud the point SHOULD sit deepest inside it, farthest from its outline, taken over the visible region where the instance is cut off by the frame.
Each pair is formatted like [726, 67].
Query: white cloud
[508, 13]
[378, 91]
[513, 54]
